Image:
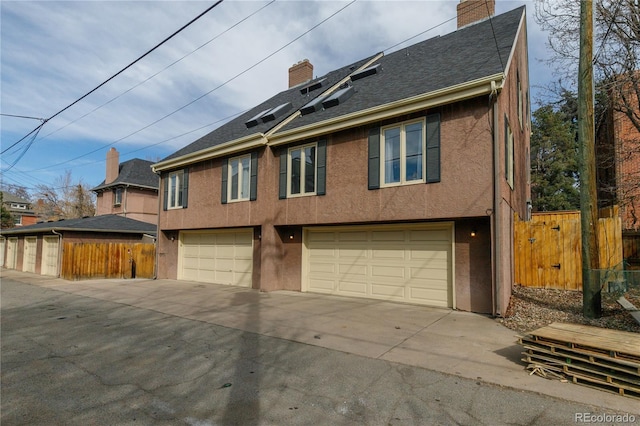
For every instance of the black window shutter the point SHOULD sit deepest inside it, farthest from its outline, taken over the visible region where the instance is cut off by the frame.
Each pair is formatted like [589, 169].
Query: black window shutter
[321, 161]
[253, 189]
[166, 192]
[433, 148]
[283, 174]
[223, 189]
[185, 188]
[374, 158]
[506, 147]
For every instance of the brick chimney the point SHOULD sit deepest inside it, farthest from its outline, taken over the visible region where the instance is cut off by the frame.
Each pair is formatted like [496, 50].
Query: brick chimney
[470, 11]
[300, 72]
[113, 165]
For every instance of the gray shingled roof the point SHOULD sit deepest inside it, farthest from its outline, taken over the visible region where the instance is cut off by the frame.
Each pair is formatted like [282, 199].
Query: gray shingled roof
[474, 52]
[438, 63]
[135, 172]
[103, 223]
[236, 128]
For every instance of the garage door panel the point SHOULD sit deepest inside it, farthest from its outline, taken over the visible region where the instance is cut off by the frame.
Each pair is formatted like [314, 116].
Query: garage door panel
[352, 269]
[356, 288]
[388, 271]
[409, 263]
[388, 236]
[352, 236]
[320, 285]
[433, 235]
[389, 253]
[322, 268]
[388, 291]
[441, 275]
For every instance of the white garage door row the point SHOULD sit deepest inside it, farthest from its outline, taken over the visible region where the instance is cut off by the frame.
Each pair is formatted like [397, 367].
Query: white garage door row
[403, 263]
[397, 263]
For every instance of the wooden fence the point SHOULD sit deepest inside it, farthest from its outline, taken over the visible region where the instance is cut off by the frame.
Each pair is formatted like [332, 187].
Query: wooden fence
[107, 260]
[548, 249]
[631, 250]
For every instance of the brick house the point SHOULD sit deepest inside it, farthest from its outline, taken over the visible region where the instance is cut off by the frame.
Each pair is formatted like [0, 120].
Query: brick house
[130, 189]
[396, 177]
[20, 209]
[618, 151]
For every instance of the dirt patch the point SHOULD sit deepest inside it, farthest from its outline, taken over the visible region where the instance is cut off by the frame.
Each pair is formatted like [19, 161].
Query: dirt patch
[532, 308]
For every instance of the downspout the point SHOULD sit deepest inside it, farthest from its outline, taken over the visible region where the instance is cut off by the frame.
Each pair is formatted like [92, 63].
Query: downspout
[156, 242]
[496, 216]
[59, 251]
[124, 208]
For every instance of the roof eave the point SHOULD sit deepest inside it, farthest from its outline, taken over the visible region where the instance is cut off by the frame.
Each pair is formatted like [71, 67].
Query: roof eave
[116, 184]
[15, 231]
[249, 142]
[467, 90]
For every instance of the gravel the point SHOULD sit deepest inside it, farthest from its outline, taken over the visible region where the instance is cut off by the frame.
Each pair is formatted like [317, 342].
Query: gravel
[532, 308]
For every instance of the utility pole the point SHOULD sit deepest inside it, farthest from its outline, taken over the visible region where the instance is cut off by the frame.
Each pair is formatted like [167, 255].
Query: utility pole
[591, 296]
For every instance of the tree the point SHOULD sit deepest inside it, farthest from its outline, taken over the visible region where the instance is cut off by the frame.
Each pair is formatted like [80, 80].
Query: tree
[65, 199]
[554, 164]
[6, 220]
[17, 190]
[617, 75]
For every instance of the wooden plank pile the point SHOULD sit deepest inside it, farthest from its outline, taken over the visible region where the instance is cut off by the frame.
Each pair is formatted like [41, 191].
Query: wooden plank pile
[601, 358]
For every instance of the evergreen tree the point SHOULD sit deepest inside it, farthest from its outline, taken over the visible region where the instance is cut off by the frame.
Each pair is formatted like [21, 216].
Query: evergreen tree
[554, 157]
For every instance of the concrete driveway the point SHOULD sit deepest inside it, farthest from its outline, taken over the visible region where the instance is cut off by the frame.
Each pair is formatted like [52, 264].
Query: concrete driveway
[457, 343]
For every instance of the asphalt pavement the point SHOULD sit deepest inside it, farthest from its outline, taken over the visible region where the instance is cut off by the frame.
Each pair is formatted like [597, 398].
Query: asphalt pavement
[69, 358]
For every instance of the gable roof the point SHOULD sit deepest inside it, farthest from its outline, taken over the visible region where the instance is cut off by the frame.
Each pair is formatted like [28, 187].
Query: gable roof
[469, 62]
[10, 198]
[134, 172]
[103, 223]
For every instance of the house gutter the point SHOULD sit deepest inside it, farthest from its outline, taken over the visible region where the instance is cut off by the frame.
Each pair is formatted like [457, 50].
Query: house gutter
[249, 142]
[467, 90]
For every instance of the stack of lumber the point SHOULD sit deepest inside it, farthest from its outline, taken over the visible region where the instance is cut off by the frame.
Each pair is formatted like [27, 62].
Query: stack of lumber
[591, 356]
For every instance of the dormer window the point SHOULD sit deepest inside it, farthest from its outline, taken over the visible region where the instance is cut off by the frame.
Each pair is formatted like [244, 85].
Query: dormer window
[18, 206]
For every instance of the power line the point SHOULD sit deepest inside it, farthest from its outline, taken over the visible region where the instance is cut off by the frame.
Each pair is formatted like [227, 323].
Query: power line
[157, 73]
[118, 73]
[22, 116]
[207, 93]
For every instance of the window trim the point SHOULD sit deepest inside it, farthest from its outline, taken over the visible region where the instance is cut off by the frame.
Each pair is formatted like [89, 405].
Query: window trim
[117, 197]
[403, 151]
[172, 199]
[240, 179]
[302, 192]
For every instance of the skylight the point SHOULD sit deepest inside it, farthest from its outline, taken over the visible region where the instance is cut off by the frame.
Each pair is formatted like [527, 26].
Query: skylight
[338, 97]
[365, 72]
[313, 86]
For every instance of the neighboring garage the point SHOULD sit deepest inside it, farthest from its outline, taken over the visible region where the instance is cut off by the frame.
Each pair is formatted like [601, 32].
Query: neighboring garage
[220, 257]
[50, 255]
[30, 252]
[405, 263]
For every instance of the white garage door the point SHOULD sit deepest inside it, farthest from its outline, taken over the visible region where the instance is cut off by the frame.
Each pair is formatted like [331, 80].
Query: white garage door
[50, 256]
[221, 257]
[12, 253]
[407, 264]
[3, 242]
[29, 259]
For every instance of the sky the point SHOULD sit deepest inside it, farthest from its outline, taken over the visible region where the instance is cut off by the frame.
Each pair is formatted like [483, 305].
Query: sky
[234, 57]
